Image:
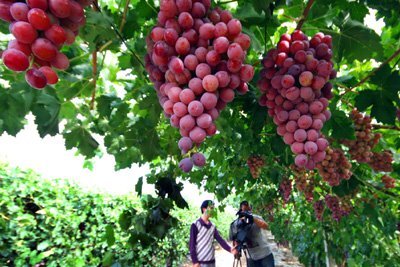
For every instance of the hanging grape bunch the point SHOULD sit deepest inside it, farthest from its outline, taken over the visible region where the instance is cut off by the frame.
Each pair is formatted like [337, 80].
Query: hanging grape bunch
[388, 181]
[195, 60]
[295, 89]
[41, 28]
[382, 161]
[304, 181]
[338, 207]
[255, 163]
[285, 188]
[360, 148]
[335, 167]
[319, 207]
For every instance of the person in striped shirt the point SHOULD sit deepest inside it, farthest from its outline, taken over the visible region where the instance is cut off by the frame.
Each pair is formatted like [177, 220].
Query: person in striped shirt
[202, 234]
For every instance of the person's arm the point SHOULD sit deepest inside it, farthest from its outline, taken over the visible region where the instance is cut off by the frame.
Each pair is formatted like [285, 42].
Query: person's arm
[192, 243]
[260, 222]
[221, 241]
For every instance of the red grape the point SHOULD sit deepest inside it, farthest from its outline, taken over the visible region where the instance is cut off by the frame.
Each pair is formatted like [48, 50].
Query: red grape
[36, 78]
[15, 60]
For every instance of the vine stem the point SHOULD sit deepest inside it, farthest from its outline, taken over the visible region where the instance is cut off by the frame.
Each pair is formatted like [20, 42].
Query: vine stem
[290, 17]
[375, 188]
[366, 78]
[117, 32]
[305, 14]
[123, 21]
[227, 2]
[389, 127]
[94, 65]
[94, 73]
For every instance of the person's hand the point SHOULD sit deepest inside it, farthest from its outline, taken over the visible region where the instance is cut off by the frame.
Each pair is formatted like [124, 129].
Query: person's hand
[234, 251]
[196, 264]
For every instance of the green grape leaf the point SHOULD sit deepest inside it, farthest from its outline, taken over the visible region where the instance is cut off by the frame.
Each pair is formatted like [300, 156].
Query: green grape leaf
[356, 42]
[339, 125]
[46, 110]
[381, 103]
[109, 235]
[80, 138]
[139, 186]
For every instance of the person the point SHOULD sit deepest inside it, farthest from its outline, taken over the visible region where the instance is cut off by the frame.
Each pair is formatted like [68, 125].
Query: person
[258, 251]
[202, 234]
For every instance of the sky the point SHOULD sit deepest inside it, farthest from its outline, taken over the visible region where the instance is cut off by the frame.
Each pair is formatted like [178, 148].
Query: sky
[49, 158]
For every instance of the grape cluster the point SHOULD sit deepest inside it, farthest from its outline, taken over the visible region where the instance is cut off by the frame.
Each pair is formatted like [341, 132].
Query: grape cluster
[333, 203]
[360, 148]
[195, 60]
[304, 181]
[319, 207]
[382, 161]
[335, 167]
[388, 181]
[285, 188]
[340, 207]
[295, 89]
[41, 28]
[255, 164]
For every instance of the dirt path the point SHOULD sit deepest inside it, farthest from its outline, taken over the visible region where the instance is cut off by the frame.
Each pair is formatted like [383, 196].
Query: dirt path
[283, 256]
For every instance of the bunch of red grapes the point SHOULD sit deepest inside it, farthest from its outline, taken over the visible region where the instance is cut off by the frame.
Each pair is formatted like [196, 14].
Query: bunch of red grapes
[337, 208]
[360, 148]
[304, 181]
[285, 188]
[41, 28]
[295, 89]
[335, 167]
[382, 161]
[388, 181]
[195, 60]
[319, 207]
[255, 164]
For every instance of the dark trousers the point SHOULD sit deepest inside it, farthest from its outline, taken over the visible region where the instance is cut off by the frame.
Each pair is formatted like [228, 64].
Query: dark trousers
[268, 261]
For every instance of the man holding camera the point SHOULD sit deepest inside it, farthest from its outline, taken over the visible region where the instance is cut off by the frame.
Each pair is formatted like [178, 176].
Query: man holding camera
[202, 234]
[246, 232]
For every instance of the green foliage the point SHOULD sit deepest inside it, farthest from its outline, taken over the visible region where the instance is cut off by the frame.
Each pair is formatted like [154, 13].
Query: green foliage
[56, 223]
[52, 222]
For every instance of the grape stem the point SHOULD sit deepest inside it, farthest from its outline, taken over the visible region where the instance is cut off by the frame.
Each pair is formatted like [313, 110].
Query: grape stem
[366, 78]
[305, 14]
[117, 32]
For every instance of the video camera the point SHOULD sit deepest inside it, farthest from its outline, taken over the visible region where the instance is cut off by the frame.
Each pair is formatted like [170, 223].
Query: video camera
[244, 223]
